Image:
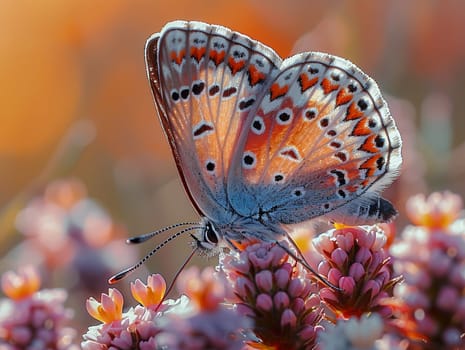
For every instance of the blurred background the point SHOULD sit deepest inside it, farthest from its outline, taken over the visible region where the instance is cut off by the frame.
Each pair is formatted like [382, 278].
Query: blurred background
[84, 162]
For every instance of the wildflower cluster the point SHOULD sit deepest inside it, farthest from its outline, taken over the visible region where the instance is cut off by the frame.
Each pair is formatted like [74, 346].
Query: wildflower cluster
[260, 297]
[68, 232]
[356, 262]
[402, 293]
[431, 257]
[133, 329]
[31, 318]
[357, 333]
[197, 320]
[275, 292]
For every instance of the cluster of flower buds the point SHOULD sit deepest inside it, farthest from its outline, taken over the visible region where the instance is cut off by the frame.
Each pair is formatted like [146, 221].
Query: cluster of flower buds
[196, 320]
[31, 318]
[431, 256]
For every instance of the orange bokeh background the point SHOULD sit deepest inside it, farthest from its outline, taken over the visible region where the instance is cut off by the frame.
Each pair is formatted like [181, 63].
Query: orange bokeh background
[75, 101]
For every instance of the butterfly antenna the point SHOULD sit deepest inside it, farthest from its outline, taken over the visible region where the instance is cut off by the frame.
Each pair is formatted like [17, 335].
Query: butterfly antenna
[147, 236]
[125, 272]
[300, 258]
[175, 278]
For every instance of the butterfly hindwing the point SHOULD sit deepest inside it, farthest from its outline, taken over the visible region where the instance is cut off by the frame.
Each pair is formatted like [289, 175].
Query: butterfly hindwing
[206, 79]
[321, 141]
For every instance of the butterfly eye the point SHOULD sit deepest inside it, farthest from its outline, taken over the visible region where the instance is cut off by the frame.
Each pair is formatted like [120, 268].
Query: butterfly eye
[210, 235]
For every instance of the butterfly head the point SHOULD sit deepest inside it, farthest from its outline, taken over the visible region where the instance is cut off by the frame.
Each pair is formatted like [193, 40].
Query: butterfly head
[208, 240]
[214, 236]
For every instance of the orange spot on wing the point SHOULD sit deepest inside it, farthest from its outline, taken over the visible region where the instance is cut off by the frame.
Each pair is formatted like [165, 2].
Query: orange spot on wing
[255, 75]
[306, 83]
[370, 165]
[198, 52]
[235, 66]
[352, 188]
[343, 97]
[361, 129]
[277, 91]
[217, 57]
[327, 86]
[330, 181]
[178, 56]
[369, 145]
[353, 112]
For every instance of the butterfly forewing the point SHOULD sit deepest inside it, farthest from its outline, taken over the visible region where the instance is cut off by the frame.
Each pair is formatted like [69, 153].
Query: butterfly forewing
[322, 140]
[206, 79]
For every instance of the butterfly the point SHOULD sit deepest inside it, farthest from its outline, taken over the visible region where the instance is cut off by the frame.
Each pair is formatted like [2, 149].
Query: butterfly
[262, 143]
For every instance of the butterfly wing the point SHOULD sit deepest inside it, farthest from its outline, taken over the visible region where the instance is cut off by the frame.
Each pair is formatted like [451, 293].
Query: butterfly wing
[322, 141]
[205, 80]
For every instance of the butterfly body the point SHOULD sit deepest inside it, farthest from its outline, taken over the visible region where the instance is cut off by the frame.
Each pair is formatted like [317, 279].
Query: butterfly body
[261, 142]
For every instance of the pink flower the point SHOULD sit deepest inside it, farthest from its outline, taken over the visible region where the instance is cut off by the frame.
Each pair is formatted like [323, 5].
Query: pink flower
[204, 290]
[431, 256]
[135, 328]
[67, 231]
[437, 211]
[219, 329]
[110, 307]
[199, 323]
[22, 284]
[33, 318]
[277, 293]
[354, 259]
[150, 295]
[360, 333]
[208, 323]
